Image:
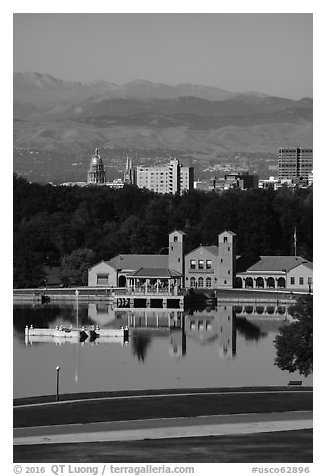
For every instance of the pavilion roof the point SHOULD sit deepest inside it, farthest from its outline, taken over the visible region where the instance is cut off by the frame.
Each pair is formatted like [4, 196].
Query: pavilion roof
[278, 263]
[156, 273]
[135, 262]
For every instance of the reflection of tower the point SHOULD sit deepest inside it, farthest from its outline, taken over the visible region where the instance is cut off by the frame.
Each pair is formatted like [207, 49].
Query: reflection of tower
[226, 331]
[178, 341]
[217, 325]
[176, 256]
[96, 173]
[129, 172]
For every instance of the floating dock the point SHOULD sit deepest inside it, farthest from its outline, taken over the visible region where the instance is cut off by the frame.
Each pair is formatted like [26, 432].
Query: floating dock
[74, 335]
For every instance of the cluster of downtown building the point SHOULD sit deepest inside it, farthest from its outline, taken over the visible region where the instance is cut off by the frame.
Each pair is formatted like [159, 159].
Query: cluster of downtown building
[171, 178]
[295, 169]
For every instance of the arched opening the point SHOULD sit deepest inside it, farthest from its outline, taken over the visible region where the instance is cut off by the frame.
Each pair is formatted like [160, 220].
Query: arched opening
[192, 282]
[200, 282]
[122, 281]
[270, 282]
[249, 309]
[208, 282]
[237, 309]
[281, 283]
[259, 283]
[238, 282]
[260, 309]
[249, 283]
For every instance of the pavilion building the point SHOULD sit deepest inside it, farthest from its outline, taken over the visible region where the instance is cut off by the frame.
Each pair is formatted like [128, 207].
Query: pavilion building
[206, 267]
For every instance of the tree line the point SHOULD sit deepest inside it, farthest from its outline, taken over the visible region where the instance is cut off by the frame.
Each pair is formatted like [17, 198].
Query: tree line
[75, 227]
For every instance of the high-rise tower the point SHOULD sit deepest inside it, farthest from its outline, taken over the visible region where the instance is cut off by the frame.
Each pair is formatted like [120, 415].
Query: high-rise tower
[168, 178]
[294, 162]
[96, 173]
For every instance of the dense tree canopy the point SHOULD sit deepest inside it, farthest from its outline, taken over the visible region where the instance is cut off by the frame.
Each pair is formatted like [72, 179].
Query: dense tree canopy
[51, 222]
[294, 344]
[74, 267]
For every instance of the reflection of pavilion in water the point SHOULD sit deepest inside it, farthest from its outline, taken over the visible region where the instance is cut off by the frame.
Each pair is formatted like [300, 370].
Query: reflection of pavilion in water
[151, 318]
[216, 326]
[263, 310]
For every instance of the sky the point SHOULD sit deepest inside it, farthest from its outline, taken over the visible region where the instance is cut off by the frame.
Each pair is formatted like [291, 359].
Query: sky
[267, 52]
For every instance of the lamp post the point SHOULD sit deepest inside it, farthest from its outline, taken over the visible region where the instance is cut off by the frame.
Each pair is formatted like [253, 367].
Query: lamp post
[57, 370]
[77, 293]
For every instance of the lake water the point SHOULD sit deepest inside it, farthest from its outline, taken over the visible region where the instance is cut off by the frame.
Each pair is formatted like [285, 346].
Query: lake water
[216, 347]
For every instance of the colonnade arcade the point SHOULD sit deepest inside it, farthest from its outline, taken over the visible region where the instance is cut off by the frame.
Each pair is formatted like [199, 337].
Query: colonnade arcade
[150, 285]
[260, 282]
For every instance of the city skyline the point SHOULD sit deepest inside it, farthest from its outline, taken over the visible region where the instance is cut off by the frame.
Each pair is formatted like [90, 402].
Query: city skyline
[239, 52]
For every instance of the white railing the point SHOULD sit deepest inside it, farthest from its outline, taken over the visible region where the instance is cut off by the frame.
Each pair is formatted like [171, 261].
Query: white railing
[143, 291]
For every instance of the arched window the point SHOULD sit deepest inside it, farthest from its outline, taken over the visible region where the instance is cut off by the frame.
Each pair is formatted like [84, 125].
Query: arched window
[259, 283]
[192, 282]
[208, 282]
[270, 282]
[249, 309]
[238, 282]
[249, 283]
[200, 282]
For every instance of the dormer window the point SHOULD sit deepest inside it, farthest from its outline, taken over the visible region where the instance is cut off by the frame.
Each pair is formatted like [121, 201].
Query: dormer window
[225, 239]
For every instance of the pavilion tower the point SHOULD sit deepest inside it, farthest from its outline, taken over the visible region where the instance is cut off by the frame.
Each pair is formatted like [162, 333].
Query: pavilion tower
[226, 259]
[176, 252]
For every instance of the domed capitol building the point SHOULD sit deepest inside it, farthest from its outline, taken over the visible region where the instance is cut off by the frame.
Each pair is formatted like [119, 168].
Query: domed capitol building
[96, 173]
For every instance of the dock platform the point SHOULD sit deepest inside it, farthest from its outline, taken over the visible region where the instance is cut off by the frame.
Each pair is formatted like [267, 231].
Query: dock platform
[63, 334]
[128, 299]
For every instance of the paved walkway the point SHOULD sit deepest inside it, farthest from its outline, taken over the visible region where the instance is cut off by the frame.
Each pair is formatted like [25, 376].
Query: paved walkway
[182, 427]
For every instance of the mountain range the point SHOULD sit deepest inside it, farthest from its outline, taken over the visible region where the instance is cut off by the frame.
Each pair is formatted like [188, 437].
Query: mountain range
[52, 114]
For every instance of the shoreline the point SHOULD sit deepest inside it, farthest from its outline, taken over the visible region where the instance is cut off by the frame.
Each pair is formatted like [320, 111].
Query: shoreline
[86, 294]
[69, 397]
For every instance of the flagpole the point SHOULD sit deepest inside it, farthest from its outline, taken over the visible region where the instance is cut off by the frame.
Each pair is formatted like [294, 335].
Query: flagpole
[295, 241]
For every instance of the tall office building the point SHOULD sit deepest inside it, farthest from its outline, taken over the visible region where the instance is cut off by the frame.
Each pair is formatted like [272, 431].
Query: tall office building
[96, 173]
[294, 163]
[170, 178]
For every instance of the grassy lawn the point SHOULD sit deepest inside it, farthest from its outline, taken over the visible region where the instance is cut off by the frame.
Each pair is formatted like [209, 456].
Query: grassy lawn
[160, 407]
[172, 391]
[279, 447]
